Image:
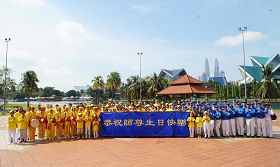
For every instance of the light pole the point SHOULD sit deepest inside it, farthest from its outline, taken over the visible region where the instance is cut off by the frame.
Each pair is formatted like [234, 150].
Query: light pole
[7, 40]
[140, 55]
[242, 29]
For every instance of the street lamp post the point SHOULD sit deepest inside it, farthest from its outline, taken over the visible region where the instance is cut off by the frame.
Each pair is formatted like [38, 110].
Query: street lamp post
[140, 55]
[7, 40]
[243, 29]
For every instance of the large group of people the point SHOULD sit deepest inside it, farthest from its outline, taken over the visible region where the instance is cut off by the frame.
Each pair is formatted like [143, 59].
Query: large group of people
[219, 118]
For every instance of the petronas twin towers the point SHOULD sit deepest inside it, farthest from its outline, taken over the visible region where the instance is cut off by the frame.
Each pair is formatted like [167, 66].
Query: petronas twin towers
[217, 73]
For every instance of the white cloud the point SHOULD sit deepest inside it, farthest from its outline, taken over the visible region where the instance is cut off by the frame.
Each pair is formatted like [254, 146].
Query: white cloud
[144, 8]
[32, 3]
[249, 36]
[69, 32]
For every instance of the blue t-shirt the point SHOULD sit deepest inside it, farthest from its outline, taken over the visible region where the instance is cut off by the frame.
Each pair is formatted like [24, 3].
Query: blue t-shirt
[250, 113]
[218, 115]
[226, 115]
[212, 114]
[260, 112]
[240, 112]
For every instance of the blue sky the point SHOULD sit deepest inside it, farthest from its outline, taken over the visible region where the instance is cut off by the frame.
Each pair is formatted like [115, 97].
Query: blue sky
[68, 42]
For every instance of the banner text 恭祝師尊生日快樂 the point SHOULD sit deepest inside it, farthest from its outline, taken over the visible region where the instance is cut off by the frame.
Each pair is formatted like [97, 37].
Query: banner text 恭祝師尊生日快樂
[134, 124]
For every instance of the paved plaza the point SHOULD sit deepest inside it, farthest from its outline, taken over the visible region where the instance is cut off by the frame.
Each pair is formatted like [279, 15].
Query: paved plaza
[143, 151]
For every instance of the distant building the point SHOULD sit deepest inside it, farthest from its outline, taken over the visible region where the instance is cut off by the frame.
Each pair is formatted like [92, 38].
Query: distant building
[222, 74]
[221, 80]
[172, 74]
[216, 69]
[206, 70]
[255, 72]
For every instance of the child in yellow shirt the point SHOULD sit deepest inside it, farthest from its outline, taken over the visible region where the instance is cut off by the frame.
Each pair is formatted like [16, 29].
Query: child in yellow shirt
[199, 122]
[11, 128]
[95, 126]
[22, 126]
[80, 125]
[88, 120]
[206, 124]
[191, 121]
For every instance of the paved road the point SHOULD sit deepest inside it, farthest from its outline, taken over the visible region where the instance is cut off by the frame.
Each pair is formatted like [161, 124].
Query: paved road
[146, 152]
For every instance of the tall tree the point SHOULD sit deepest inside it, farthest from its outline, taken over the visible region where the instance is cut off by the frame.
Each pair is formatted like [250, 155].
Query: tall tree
[29, 83]
[113, 83]
[155, 84]
[98, 85]
[268, 89]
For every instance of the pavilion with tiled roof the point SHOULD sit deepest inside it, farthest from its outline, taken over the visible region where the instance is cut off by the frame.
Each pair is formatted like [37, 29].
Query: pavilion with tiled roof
[186, 85]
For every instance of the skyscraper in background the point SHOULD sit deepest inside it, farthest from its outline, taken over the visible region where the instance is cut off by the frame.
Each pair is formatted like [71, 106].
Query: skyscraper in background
[216, 69]
[206, 69]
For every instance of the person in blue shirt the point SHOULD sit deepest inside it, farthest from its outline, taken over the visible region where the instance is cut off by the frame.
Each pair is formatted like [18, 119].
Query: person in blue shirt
[260, 113]
[218, 121]
[232, 121]
[240, 120]
[212, 120]
[250, 113]
[226, 115]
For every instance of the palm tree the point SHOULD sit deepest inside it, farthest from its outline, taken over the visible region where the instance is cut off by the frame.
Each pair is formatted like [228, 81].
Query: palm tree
[98, 85]
[268, 89]
[113, 82]
[29, 83]
[155, 84]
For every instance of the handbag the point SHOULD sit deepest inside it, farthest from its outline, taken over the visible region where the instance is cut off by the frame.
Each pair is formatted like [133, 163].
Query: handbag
[273, 117]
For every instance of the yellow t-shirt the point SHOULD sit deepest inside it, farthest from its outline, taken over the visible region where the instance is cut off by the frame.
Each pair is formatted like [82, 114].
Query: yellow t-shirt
[191, 121]
[22, 122]
[80, 122]
[88, 119]
[199, 121]
[95, 125]
[11, 123]
[206, 119]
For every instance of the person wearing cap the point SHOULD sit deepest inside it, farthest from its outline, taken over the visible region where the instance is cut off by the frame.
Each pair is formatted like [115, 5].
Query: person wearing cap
[218, 121]
[226, 115]
[268, 121]
[240, 120]
[260, 113]
[41, 115]
[31, 114]
[206, 124]
[11, 125]
[191, 121]
[22, 126]
[250, 121]
[199, 122]
[232, 121]
[73, 125]
[67, 122]
[51, 124]
[80, 125]
[60, 117]
[88, 121]
[211, 114]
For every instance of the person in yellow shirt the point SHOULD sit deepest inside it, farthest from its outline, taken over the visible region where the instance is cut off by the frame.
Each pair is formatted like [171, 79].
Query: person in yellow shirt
[95, 126]
[42, 117]
[51, 124]
[22, 126]
[73, 126]
[170, 108]
[199, 122]
[16, 115]
[60, 120]
[67, 122]
[31, 114]
[191, 121]
[206, 124]
[80, 125]
[88, 120]
[11, 124]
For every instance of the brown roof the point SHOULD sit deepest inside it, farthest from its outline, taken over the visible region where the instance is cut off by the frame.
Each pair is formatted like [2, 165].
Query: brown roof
[186, 85]
[186, 79]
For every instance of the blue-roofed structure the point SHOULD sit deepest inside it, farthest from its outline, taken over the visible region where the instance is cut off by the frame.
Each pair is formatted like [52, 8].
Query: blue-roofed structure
[172, 74]
[255, 72]
[221, 80]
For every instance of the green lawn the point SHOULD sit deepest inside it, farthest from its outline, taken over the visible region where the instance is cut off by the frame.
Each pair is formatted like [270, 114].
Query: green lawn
[10, 107]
